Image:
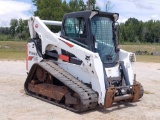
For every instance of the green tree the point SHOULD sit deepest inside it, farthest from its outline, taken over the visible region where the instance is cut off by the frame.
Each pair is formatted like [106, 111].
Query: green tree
[76, 5]
[22, 31]
[5, 30]
[50, 10]
[13, 26]
[91, 4]
[55, 9]
[131, 30]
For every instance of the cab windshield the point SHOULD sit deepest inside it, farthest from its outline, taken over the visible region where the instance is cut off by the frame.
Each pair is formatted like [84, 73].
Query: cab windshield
[102, 29]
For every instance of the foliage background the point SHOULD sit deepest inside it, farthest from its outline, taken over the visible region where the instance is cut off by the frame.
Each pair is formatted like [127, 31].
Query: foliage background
[132, 31]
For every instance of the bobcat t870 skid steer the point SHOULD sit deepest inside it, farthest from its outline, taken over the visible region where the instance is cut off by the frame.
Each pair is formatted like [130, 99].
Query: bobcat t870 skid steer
[81, 67]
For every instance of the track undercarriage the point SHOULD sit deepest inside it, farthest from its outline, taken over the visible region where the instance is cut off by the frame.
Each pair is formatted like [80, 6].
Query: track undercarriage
[48, 82]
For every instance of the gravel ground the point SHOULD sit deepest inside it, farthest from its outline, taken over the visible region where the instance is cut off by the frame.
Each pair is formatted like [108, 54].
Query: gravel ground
[16, 105]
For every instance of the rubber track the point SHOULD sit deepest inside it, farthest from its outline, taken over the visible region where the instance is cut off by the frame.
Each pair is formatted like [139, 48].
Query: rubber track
[89, 98]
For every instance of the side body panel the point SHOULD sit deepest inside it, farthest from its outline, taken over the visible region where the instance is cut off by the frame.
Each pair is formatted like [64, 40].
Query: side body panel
[31, 55]
[125, 56]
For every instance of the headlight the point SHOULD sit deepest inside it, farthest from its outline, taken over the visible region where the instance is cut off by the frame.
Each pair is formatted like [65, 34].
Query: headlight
[132, 57]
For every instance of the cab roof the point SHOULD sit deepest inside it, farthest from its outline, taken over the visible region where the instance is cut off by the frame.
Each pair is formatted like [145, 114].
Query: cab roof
[88, 13]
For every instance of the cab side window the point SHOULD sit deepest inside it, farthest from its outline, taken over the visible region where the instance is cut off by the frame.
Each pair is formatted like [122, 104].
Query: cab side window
[75, 29]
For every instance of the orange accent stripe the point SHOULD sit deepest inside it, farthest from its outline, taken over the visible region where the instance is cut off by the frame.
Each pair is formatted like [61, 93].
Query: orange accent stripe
[70, 45]
[30, 58]
[64, 57]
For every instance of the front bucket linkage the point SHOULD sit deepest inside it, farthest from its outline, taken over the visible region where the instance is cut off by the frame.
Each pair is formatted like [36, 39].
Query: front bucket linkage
[111, 91]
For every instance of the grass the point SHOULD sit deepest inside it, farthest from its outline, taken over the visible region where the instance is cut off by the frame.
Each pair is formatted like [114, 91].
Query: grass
[133, 48]
[148, 58]
[14, 45]
[144, 58]
[147, 92]
[12, 55]
[17, 51]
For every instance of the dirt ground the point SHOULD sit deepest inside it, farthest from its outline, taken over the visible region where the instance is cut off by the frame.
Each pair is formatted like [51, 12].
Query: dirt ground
[16, 105]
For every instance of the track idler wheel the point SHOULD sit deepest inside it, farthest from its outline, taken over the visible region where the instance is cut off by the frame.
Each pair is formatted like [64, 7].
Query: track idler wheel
[72, 100]
[141, 91]
[77, 106]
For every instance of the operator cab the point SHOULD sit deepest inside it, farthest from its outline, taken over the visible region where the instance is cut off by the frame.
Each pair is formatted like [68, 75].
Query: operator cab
[93, 30]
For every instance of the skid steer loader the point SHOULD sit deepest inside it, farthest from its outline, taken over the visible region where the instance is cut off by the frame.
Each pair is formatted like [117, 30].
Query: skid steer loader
[81, 67]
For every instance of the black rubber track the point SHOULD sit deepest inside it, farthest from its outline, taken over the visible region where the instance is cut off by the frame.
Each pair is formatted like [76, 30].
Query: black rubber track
[89, 98]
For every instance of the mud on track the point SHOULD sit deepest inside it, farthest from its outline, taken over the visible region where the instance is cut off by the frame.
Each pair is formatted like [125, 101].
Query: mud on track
[16, 105]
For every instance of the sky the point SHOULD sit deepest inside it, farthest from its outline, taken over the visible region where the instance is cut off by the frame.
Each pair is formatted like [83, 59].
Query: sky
[141, 9]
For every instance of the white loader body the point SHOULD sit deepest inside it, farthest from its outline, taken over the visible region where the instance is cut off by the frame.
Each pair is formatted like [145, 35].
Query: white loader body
[90, 71]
